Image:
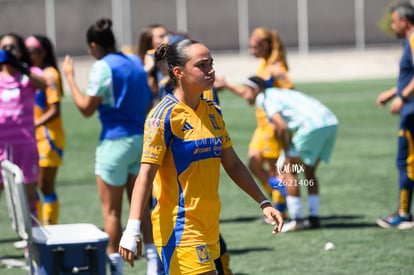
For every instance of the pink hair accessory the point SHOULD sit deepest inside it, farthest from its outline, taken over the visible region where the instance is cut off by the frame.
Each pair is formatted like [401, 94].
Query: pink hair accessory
[32, 42]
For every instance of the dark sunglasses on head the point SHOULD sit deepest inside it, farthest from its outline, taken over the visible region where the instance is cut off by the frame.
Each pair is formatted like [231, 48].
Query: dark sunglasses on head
[9, 47]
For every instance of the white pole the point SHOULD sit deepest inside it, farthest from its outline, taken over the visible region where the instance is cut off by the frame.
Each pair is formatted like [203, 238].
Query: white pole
[243, 18]
[121, 17]
[181, 13]
[303, 27]
[360, 24]
[127, 23]
[50, 20]
[116, 9]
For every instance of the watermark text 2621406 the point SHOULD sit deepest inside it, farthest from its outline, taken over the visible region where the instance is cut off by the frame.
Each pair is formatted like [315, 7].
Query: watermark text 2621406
[296, 182]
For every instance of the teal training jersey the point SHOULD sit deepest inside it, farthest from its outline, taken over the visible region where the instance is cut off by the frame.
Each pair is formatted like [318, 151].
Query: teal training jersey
[299, 111]
[122, 83]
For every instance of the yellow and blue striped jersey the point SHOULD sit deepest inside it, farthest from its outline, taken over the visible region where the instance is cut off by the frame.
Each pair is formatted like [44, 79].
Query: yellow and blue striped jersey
[275, 78]
[187, 145]
[211, 95]
[53, 131]
[281, 79]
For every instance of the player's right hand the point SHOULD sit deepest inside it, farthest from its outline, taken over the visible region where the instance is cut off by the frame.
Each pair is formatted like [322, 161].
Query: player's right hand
[68, 66]
[381, 100]
[275, 217]
[385, 96]
[129, 245]
[131, 241]
[149, 63]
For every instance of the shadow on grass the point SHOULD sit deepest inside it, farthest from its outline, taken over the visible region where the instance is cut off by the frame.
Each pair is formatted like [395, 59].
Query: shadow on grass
[248, 250]
[344, 222]
[9, 240]
[327, 222]
[14, 257]
[241, 219]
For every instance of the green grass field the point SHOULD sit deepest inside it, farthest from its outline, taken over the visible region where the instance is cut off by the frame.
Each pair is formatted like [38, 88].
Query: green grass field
[357, 186]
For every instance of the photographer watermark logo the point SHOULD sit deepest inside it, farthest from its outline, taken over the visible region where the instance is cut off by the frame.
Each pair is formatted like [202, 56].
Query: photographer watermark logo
[291, 168]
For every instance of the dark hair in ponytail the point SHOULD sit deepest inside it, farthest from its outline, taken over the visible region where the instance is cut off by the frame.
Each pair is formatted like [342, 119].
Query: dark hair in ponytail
[50, 56]
[174, 55]
[260, 82]
[101, 33]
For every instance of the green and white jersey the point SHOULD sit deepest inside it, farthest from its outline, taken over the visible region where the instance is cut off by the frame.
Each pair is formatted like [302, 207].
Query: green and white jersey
[301, 112]
[100, 82]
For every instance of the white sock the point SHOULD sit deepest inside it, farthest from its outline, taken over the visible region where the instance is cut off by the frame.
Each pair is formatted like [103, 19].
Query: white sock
[313, 204]
[117, 262]
[294, 205]
[152, 259]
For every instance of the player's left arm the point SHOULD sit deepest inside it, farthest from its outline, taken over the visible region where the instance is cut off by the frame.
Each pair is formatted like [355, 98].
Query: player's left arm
[52, 113]
[238, 172]
[37, 80]
[399, 101]
[408, 90]
[53, 100]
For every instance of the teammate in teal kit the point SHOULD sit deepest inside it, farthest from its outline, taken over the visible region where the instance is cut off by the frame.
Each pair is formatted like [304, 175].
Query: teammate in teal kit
[306, 130]
[119, 91]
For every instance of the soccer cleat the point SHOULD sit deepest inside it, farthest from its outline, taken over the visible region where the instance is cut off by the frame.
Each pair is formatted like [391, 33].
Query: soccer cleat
[312, 222]
[293, 225]
[20, 244]
[404, 221]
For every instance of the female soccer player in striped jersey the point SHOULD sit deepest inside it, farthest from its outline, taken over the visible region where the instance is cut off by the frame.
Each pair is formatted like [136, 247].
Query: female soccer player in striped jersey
[185, 142]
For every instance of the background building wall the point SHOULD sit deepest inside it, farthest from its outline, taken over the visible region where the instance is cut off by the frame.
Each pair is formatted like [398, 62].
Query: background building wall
[331, 23]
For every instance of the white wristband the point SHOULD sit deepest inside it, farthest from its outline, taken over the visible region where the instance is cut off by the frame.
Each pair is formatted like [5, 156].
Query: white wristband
[134, 226]
[131, 235]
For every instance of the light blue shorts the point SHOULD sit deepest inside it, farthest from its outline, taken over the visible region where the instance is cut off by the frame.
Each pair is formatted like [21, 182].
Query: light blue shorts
[116, 158]
[315, 145]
